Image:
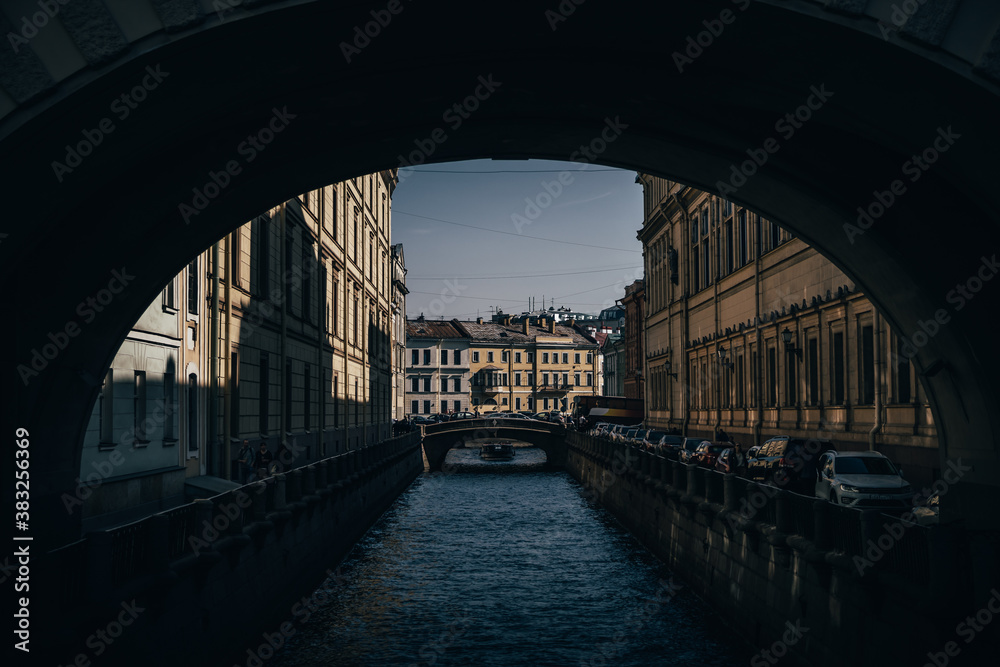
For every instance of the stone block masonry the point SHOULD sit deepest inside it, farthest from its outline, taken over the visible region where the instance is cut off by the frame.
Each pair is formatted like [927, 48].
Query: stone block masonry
[776, 566]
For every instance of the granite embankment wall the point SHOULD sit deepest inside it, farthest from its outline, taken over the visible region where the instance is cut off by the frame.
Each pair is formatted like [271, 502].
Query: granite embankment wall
[795, 576]
[220, 581]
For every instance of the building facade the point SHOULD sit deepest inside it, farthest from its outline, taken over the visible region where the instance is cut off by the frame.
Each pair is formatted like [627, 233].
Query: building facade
[281, 333]
[437, 371]
[634, 303]
[613, 354]
[530, 366]
[751, 331]
[399, 292]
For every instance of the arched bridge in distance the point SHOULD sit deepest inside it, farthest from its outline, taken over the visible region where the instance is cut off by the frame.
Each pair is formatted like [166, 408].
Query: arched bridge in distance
[439, 439]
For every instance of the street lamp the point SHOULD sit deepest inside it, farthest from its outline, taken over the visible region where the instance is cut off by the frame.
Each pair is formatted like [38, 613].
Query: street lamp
[666, 369]
[727, 363]
[786, 338]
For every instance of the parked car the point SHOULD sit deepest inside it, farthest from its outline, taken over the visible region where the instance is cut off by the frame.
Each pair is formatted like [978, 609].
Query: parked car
[670, 446]
[707, 453]
[651, 440]
[422, 420]
[687, 449]
[862, 479]
[638, 438]
[789, 462]
[463, 415]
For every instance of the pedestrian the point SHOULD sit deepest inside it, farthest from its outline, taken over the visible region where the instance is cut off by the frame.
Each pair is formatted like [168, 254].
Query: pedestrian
[264, 459]
[245, 457]
[738, 460]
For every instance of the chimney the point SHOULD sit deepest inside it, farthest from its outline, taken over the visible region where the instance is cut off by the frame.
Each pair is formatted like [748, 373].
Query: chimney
[505, 320]
[479, 320]
[525, 323]
[552, 325]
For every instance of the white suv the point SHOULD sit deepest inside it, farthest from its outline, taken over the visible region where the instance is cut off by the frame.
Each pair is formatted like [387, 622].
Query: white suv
[863, 480]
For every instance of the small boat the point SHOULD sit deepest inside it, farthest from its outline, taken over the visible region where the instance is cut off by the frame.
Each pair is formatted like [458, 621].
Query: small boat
[497, 451]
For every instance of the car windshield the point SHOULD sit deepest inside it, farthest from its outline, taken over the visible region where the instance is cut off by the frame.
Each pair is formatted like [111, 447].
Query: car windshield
[655, 435]
[864, 465]
[691, 445]
[715, 449]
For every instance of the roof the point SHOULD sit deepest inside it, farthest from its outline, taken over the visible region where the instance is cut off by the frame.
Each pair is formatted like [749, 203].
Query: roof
[432, 329]
[513, 334]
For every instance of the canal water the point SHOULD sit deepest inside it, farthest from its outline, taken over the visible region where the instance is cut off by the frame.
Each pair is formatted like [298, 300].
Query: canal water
[510, 566]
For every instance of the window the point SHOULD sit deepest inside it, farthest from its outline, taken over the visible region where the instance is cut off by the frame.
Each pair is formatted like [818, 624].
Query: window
[107, 414]
[565, 379]
[458, 384]
[903, 392]
[489, 357]
[475, 357]
[427, 384]
[234, 382]
[414, 357]
[565, 358]
[590, 357]
[812, 368]
[837, 359]
[414, 407]
[193, 430]
[531, 403]
[744, 238]
[772, 377]
[504, 401]
[576, 379]
[307, 397]
[791, 383]
[576, 358]
[288, 395]
[545, 403]
[730, 264]
[695, 256]
[867, 365]
[531, 379]
[545, 357]
[427, 407]
[457, 406]
[545, 379]
[531, 357]
[517, 379]
[444, 357]
[503, 356]
[517, 357]
[590, 379]
[139, 408]
[307, 271]
[262, 392]
[475, 401]
[415, 384]
[192, 276]
[427, 357]
[457, 357]
[169, 406]
[336, 401]
[740, 380]
[169, 300]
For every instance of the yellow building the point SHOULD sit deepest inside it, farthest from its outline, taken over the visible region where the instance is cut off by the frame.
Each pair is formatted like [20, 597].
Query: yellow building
[751, 331]
[531, 365]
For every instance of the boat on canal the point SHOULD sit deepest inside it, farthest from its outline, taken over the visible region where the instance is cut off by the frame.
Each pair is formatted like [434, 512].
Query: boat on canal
[497, 451]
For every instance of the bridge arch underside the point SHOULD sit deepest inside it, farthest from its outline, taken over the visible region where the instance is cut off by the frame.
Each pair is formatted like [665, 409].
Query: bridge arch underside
[437, 445]
[544, 93]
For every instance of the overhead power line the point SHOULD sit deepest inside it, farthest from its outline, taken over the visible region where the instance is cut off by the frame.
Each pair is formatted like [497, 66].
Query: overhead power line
[531, 275]
[520, 236]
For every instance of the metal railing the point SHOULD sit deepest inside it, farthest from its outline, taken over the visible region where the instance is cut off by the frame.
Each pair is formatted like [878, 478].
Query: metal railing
[905, 551]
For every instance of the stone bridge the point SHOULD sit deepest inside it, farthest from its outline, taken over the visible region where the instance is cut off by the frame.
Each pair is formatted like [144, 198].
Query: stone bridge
[438, 439]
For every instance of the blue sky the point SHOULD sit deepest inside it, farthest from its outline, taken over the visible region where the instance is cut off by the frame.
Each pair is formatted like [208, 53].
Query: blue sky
[454, 270]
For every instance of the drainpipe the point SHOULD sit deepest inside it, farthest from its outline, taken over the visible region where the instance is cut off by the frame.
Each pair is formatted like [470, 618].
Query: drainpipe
[877, 348]
[686, 247]
[284, 322]
[321, 339]
[228, 402]
[213, 364]
[759, 380]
